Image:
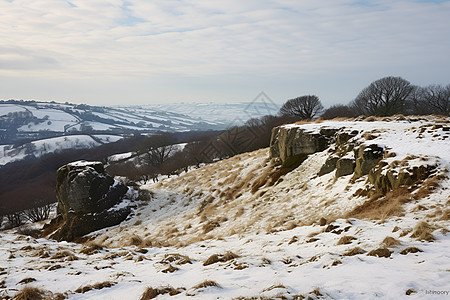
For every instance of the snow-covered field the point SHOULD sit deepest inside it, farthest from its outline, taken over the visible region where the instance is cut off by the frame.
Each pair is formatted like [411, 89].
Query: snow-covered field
[8, 153]
[222, 232]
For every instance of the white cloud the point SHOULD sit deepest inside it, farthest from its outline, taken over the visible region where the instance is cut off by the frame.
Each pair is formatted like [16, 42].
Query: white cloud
[270, 40]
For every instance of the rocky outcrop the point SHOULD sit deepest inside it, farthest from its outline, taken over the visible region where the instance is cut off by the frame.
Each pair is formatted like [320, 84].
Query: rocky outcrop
[351, 152]
[386, 177]
[88, 199]
[292, 145]
[367, 157]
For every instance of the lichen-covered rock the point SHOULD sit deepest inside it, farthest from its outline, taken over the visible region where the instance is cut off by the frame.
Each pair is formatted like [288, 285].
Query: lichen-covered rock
[329, 165]
[293, 144]
[86, 198]
[343, 137]
[345, 166]
[367, 157]
[386, 177]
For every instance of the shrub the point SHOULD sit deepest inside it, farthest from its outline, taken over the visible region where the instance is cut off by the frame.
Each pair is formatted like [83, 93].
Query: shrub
[37, 214]
[30, 293]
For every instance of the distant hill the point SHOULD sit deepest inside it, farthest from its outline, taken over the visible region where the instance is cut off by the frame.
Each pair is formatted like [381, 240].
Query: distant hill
[32, 128]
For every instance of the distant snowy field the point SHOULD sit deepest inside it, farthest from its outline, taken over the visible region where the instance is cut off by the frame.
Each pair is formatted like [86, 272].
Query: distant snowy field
[57, 119]
[41, 147]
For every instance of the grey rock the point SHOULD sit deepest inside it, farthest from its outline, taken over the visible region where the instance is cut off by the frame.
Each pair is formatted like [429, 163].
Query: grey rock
[329, 165]
[293, 144]
[86, 195]
[344, 167]
[367, 157]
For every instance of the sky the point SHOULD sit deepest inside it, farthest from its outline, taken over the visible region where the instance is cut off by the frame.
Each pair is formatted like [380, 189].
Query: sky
[115, 52]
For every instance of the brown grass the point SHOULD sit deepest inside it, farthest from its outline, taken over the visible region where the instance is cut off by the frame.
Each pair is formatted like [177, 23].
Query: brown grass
[423, 232]
[380, 207]
[210, 226]
[429, 186]
[151, 293]
[215, 258]
[30, 293]
[136, 240]
[346, 239]
[91, 248]
[97, 286]
[380, 252]
[390, 242]
[170, 269]
[205, 284]
[410, 250]
[27, 280]
[176, 258]
[354, 251]
[445, 215]
[62, 254]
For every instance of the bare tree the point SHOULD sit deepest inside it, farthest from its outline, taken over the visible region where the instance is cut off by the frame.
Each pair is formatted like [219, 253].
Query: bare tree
[338, 110]
[433, 99]
[158, 148]
[304, 107]
[15, 219]
[37, 214]
[384, 97]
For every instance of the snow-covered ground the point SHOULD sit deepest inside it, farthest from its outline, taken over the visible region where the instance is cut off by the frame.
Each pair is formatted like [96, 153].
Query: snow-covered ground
[223, 232]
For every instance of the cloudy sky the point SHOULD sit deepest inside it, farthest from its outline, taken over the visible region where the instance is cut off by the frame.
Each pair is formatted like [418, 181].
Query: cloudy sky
[105, 52]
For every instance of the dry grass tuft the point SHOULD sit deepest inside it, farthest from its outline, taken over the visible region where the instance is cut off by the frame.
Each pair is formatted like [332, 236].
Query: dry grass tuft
[390, 242]
[380, 207]
[205, 284]
[429, 186]
[136, 240]
[380, 252]
[215, 258]
[30, 293]
[410, 250]
[210, 226]
[27, 280]
[151, 293]
[354, 251]
[423, 232]
[345, 240]
[176, 258]
[91, 248]
[170, 269]
[64, 254]
[445, 215]
[97, 286]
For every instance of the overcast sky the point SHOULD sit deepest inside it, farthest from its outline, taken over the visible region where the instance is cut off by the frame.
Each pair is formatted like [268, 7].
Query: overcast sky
[107, 52]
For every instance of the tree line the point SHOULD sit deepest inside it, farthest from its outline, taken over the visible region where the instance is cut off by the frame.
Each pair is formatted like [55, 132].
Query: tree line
[384, 97]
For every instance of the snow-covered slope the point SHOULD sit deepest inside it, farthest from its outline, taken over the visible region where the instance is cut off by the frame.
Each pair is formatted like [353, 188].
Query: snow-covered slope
[242, 228]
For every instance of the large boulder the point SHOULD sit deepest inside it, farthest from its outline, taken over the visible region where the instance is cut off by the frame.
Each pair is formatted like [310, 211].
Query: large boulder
[292, 144]
[88, 199]
[367, 157]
